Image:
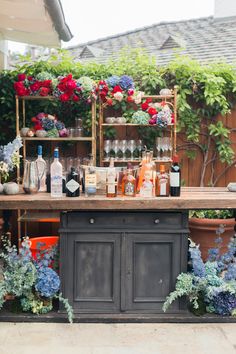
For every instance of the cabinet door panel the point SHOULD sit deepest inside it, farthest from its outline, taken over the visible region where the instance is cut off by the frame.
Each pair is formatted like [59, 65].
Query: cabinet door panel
[152, 265]
[94, 272]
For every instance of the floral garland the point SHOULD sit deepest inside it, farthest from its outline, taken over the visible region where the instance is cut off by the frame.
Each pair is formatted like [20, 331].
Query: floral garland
[64, 88]
[117, 89]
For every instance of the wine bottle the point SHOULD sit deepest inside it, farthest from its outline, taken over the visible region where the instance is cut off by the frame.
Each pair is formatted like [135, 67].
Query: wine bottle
[111, 180]
[175, 177]
[72, 184]
[90, 179]
[41, 165]
[56, 176]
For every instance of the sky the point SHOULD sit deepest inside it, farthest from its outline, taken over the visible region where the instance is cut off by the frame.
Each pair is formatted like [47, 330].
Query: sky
[92, 19]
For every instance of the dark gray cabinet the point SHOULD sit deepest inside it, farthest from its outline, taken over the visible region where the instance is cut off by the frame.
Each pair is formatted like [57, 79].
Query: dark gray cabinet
[121, 262]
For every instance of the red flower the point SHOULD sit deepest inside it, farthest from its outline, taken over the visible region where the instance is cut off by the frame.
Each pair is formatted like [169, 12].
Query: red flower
[30, 78]
[130, 99]
[46, 83]
[21, 77]
[35, 87]
[71, 85]
[149, 100]
[103, 94]
[144, 106]
[38, 126]
[172, 118]
[44, 91]
[109, 101]
[64, 97]
[117, 88]
[69, 77]
[20, 89]
[152, 121]
[152, 111]
[130, 92]
[34, 120]
[75, 98]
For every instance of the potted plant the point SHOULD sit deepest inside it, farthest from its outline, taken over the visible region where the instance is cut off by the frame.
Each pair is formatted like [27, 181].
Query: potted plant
[31, 281]
[210, 286]
[203, 225]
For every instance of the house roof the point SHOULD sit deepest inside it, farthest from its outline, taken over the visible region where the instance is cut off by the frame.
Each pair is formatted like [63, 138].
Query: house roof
[39, 22]
[205, 39]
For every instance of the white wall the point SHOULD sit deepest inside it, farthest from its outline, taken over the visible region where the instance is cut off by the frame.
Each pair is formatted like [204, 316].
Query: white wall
[225, 8]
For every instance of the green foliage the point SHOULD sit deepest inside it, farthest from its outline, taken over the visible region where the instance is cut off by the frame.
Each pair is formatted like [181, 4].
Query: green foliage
[204, 91]
[211, 214]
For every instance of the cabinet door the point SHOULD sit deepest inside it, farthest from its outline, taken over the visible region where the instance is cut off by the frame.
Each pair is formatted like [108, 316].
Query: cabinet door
[92, 274]
[152, 263]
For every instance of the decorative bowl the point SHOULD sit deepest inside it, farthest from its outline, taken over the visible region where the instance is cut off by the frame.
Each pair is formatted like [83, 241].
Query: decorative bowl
[41, 133]
[165, 92]
[10, 188]
[24, 131]
[120, 120]
[232, 186]
[110, 120]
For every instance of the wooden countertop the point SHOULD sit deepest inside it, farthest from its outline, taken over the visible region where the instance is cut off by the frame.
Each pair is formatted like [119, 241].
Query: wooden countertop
[191, 198]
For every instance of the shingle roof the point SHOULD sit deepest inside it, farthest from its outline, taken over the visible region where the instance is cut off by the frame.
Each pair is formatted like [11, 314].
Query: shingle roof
[205, 39]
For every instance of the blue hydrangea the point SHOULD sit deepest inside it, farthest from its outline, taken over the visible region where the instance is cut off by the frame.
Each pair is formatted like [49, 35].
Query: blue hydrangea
[231, 272]
[7, 151]
[224, 303]
[163, 118]
[126, 82]
[48, 124]
[197, 262]
[48, 282]
[213, 254]
[59, 125]
[112, 81]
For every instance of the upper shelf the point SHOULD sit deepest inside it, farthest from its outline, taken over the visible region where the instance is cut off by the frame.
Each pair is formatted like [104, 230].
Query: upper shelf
[132, 125]
[59, 139]
[35, 97]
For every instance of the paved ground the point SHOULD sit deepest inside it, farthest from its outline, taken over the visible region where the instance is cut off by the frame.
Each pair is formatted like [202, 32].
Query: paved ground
[34, 338]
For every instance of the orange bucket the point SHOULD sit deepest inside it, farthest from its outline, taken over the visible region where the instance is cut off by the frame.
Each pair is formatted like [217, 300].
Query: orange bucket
[48, 242]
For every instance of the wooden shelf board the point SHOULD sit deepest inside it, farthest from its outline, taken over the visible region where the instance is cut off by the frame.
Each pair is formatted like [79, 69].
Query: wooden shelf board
[40, 216]
[139, 160]
[51, 98]
[133, 125]
[58, 139]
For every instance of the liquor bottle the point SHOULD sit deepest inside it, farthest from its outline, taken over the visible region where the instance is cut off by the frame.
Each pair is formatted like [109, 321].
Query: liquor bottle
[111, 180]
[175, 179]
[129, 184]
[146, 173]
[90, 179]
[41, 165]
[72, 184]
[56, 176]
[162, 183]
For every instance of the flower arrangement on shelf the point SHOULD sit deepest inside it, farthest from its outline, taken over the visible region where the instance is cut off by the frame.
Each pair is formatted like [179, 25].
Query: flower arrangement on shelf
[159, 113]
[42, 84]
[9, 157]
[69, 89]
[47, 125]
[211, 285]
[65, 88]
[31, 281]
[118, 91]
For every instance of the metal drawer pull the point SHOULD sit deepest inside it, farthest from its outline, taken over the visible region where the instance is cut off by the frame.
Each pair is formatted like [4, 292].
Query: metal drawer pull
[92, 221]
[156, 221]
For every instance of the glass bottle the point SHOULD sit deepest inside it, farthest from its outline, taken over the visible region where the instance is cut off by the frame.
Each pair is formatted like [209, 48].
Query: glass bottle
[72, 183]
[146, 170]
[41, 165]
[111, 180]
[90, 179]
[162, 183]
[56, 176]
[129, 184]
[175, 177]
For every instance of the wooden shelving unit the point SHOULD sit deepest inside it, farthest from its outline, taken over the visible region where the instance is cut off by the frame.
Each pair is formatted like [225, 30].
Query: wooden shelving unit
[171, 100]
[23, 216]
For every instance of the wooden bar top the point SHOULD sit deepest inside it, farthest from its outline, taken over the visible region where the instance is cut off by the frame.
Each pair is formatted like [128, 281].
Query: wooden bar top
[191, 198]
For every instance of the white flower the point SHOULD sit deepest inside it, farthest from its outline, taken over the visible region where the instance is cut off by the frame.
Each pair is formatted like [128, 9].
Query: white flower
[118, 96]
[138, 97]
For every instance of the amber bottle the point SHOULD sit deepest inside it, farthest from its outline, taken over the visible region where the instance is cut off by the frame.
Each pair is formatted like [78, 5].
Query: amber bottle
[162, 183]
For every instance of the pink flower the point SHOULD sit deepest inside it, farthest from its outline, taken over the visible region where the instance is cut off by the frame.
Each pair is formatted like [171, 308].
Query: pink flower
[118, 96]
[130, 92]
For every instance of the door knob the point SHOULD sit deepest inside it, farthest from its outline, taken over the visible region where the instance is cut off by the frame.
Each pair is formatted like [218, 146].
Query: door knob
[92, 221]
[156, 221]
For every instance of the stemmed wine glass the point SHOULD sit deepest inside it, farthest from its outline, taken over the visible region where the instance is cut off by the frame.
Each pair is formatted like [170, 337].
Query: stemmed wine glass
[131, 145]
[123, 147]
[115, 147]
[107, 149]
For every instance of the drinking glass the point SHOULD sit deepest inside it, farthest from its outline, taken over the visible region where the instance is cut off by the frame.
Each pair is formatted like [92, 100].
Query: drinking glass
[107, 149]
[115, 147]
[139, 145]
[165, 147]
[159, 147]
[132, 146]
[123, 147]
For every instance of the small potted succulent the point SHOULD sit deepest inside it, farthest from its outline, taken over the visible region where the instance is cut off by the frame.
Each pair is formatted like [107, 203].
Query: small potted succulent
[203, 225]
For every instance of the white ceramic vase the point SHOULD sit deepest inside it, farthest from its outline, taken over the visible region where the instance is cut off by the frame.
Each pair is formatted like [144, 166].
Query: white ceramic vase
[10, 188]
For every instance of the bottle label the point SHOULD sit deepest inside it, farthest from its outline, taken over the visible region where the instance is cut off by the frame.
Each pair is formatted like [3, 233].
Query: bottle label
[163, 184]
[111, 188]
[147, 189]
[56, 179]
[72, 185]
[91, 180]
[174, 179]
[129, 189]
